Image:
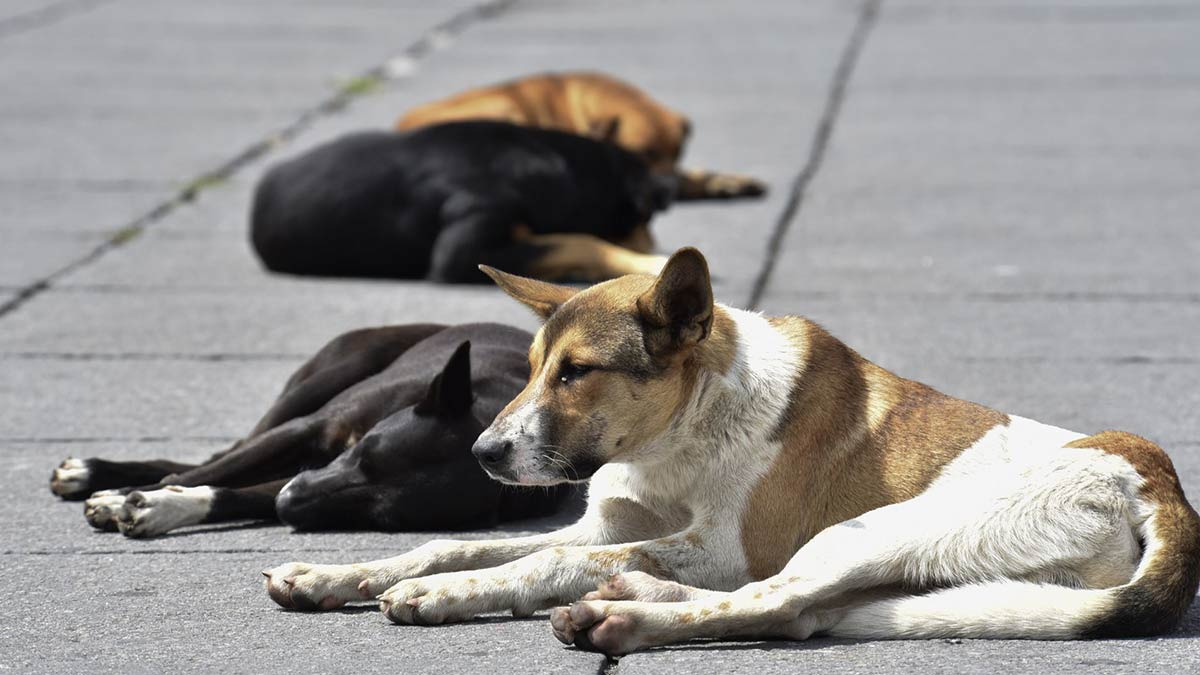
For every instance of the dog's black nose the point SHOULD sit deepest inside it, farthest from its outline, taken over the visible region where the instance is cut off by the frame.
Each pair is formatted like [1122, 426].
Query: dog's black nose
[490, 453]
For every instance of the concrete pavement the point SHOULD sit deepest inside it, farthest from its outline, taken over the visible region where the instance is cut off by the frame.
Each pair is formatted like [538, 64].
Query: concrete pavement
[998, 198]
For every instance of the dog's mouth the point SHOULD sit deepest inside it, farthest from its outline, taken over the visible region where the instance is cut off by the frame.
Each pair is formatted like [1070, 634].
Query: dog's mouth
[548, 473]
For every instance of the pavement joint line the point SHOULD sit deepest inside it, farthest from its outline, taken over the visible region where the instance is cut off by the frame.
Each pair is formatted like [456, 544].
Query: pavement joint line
[867, 14]
[436, 38]
[46, 16]
[147, 356]
[33, 440]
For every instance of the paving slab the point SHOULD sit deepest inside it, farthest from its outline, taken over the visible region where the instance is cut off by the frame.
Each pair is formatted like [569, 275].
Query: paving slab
[55, 398]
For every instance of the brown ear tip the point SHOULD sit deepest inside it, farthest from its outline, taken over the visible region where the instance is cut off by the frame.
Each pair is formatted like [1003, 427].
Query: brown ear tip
[690, 254]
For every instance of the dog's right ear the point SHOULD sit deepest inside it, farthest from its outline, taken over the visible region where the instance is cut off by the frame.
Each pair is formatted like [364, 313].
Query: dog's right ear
[678, 308]
[539, 296]
[605, 130]
[450, 391]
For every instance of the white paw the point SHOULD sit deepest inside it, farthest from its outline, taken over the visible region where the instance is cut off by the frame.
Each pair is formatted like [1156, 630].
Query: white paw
[311, 587]
[71, 478]
[439, 598]
[148, 514]
[103, 509]
[597, 626]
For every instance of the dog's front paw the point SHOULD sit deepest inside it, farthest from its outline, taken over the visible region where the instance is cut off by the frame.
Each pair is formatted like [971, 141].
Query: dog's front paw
[103, 508]
[592, 626]
[155, 512]
[72, 479]
[315, 587]
[431, 600]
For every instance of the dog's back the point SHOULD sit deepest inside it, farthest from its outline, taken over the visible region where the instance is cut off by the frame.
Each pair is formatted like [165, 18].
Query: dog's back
[374, 204]
[585, 103]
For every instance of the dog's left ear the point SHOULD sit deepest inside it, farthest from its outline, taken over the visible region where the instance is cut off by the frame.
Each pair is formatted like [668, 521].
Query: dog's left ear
[450, 391]
[678, 308]
[605, 130]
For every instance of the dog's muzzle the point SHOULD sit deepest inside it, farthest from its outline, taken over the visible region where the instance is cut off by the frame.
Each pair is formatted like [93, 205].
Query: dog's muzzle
[492, 453]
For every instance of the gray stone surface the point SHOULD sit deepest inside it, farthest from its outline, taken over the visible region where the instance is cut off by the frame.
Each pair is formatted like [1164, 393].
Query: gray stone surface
[1006, 211]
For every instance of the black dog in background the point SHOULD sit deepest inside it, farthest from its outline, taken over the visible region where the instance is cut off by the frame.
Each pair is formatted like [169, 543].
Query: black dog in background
[373, 432]
[438, 201]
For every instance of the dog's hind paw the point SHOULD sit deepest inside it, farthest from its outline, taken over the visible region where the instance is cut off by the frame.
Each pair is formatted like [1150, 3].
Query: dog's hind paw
[102, 509]
[155, 512]
[72, 479]
[591, 626]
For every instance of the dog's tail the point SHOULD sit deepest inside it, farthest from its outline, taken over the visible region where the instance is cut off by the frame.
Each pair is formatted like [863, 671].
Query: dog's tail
[1151, 603]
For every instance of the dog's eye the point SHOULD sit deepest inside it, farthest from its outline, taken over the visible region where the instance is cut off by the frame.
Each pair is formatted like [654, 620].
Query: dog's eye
[569, 372]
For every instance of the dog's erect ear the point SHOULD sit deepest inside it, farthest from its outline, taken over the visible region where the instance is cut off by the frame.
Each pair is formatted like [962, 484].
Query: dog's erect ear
[539, 296]
[605, 130]
[450, 391]
[678, 308]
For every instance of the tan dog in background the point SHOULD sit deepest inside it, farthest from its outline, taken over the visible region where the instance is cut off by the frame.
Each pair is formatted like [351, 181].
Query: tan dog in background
[596, 106]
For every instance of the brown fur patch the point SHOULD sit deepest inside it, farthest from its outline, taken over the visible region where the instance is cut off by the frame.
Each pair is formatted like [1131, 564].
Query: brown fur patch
[716, 353]
[855, 437]
[580, 103]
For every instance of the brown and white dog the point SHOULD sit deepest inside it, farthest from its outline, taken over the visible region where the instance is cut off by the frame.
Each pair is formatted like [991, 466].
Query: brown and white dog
[597, 106]
[756, 477]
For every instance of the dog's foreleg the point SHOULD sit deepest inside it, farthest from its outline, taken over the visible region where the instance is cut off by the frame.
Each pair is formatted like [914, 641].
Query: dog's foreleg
[77, 479]
[550, 576]
[149, 513]
[313, 586]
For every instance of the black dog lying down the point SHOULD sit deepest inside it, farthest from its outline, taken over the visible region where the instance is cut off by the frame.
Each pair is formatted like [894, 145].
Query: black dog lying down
[436, 202]
[373, 432]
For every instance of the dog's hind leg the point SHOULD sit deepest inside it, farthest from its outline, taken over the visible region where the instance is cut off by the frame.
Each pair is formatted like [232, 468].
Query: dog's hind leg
[696, 185]
[155, 512]
[277, 453]
[582, 257]
[642, 587]
[343, 362]
[76, 479]
[1048, 530]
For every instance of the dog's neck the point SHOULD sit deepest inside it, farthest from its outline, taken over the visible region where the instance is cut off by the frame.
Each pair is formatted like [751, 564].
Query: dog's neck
[743, 373]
